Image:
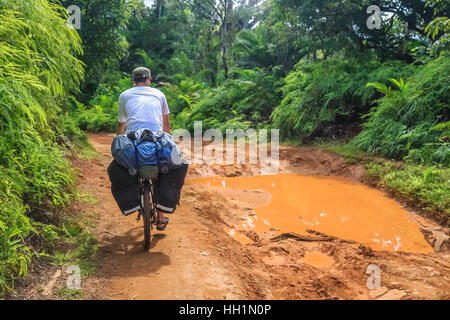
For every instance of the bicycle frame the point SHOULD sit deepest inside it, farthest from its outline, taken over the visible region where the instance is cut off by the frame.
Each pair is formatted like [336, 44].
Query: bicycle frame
[148, 212]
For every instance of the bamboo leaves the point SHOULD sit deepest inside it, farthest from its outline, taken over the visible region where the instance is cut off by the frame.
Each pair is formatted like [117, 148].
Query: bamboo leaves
[38, 68]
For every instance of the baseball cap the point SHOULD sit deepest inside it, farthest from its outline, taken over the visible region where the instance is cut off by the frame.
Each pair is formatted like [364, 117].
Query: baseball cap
[141, 72]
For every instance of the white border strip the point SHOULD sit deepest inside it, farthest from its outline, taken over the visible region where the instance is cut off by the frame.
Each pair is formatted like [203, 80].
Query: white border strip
[160, 206]
[127, 212]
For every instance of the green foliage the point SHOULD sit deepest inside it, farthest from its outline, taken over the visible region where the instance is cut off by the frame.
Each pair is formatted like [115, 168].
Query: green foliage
[439, 28]
[79, 248]
[427, 186]
[14, 227]
[103, 24]
[101, 114]
[320, 95]
[181, 95]
[246, 99]
[38, 70]
[66, 293]
[329, 26]
[251, 49]
[412, 122]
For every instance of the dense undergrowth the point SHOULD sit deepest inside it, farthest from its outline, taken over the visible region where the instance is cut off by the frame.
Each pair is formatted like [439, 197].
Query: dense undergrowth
[389, 88]
[38, 72]
[411, 120]
[319, 95]
[403, 108]
[101, 114]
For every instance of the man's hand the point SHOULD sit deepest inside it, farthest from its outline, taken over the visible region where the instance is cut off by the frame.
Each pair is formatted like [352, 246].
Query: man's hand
[166, 123]
[120, 129]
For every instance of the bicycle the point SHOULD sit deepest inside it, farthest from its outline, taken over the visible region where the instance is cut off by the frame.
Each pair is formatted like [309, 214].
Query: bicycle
[148, 176]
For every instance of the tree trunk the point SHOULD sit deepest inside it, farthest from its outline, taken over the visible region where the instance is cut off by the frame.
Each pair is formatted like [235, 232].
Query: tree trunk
[159, 4]
[228, 7]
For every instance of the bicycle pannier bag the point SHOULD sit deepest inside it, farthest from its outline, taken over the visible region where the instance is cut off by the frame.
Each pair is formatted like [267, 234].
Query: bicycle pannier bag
[168, 188]
[125, 188]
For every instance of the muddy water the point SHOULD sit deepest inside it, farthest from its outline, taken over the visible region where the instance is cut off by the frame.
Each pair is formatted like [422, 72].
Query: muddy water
[331, 205]
[317, 259]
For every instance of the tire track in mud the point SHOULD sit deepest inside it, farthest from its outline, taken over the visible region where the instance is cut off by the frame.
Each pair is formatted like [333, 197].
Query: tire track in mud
[196, 259]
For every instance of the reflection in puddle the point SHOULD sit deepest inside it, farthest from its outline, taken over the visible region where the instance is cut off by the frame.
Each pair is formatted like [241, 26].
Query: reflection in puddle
[331, 205]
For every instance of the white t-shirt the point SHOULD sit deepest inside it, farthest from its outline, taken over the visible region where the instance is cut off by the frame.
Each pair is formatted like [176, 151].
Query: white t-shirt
[143, 107]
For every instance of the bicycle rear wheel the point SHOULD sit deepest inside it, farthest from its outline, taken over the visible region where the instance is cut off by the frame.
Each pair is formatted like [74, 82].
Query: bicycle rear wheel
[147, 218]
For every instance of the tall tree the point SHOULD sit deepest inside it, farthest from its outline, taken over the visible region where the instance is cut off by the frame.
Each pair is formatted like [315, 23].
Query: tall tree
[330, 25]
[102, 31]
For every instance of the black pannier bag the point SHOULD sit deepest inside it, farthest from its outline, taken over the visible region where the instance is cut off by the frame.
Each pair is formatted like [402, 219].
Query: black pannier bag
[168, 188]
[125, 188]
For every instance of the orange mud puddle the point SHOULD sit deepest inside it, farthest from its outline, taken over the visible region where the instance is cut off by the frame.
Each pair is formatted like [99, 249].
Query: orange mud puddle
[317, 259]
[331, 205]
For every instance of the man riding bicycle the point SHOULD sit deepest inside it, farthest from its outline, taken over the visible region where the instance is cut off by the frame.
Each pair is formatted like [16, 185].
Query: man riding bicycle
[143, 107]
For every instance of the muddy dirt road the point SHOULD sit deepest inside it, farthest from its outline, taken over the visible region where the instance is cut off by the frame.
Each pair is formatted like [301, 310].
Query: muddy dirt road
[201, 256]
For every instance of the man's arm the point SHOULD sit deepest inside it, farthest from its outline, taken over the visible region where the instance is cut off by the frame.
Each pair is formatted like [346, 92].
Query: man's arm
[120, 129]
[166, 114]
[122, 118]
[166, 123]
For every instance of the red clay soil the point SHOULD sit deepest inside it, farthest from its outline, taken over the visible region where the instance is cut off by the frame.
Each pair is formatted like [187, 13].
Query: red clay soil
[195, 258]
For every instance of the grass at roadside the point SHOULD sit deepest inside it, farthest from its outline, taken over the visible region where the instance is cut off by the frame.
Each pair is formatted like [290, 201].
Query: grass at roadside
[87, 152]
[77, 246]
[426, 187]
[58, 236]
[69, 294]
[68, 246]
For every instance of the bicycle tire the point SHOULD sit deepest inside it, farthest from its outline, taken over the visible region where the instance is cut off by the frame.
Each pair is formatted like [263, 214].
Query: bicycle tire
[147, 218]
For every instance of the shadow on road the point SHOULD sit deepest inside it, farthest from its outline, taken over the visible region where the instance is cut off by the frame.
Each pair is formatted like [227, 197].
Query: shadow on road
[124, 256]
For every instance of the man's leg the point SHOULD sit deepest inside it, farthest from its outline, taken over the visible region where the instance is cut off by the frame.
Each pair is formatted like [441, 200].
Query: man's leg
[161, 218]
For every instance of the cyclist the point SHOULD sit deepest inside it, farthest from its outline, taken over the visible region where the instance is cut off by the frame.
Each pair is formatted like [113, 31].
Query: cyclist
[143, 107]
